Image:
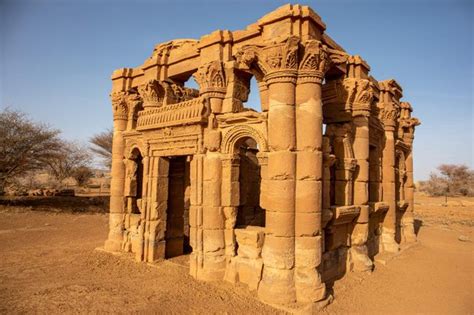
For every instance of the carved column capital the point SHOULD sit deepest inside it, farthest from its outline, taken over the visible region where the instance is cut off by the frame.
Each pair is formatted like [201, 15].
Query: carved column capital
[315, 62]
[152, 93]
[119, 105]
[157, 93]
[363, 97]
[388, 114]
[211, 79]
[278, 62]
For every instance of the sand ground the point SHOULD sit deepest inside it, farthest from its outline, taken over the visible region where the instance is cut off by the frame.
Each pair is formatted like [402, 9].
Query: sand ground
[48, 265]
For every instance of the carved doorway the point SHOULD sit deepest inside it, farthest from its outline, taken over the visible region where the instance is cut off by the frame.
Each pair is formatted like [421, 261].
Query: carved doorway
[249, 211]
[177, 213]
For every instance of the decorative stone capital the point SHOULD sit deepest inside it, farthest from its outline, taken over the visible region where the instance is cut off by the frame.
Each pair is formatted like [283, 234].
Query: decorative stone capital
[278, 62]
[363, 97]
[152, 93]
[315, 62]
[119, 105]
[211, 79]
[317, 58]
[134, 101]
[158, 93]
[389, 114]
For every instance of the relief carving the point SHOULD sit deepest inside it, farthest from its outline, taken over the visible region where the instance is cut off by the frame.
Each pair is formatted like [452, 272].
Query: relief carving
[158, 93]
[273, 60]
[119, 105]
[211, 77]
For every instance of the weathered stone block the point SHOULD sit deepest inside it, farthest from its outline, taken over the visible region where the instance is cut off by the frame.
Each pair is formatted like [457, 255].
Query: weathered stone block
[308, 251]
[212, 168]
[307, 223]
[250, 271]
[277, 285]
[279, 223]
[279, 252]
[281, 126]
[251, 236]
[280, 195]
[212, 193]
[309, 165]
[230, 194]
[308, 196]
[230, 216]
[281, 165]
[213, 241]
[213, 218]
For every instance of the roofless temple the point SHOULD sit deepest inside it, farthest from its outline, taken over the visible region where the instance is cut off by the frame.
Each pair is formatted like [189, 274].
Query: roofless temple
[286, 198]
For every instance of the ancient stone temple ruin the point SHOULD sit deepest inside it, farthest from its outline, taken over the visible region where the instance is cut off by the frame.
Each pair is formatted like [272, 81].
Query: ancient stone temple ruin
[287, 198]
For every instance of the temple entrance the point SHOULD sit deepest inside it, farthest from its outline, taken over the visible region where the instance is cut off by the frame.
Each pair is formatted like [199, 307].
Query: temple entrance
[177, 213]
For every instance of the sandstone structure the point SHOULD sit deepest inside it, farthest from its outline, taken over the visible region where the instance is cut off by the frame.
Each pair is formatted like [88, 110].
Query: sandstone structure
[285, 199]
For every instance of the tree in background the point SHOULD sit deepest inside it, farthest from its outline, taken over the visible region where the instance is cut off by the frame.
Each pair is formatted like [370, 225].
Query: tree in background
[71, 158]
[452, 180]
[102, 146]
[82, 175]
[25, 146]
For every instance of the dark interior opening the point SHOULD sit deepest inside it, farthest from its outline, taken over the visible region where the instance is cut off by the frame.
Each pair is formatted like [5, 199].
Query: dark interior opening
[249, 212]
[177, 220]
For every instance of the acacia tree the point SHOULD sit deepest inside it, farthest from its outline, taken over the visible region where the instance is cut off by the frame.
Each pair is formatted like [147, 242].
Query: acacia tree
[71, 158]
[25, 145]
[82, 174]
[450, 181]
[102, 146]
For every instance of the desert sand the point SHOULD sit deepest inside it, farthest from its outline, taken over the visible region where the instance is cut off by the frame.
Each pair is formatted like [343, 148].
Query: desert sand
[49, 263]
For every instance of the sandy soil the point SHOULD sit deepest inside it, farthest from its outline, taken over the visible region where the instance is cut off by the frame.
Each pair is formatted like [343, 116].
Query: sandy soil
[48, 265]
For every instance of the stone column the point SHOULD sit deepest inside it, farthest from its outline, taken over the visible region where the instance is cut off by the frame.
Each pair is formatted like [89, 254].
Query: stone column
[139, 255]
[155, 243]
[117, 200]
[409, 235]
[358, 251]
[389, 188]
[195, 215]
[214, 262]
[230, 200]
[309, 167]
[279, 64]
[328, 161]
[278, 252]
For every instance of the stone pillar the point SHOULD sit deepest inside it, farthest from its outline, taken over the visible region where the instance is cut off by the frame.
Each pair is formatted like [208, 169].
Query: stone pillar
[309, 167]
[278, 252]
[328, 161]
[389, 188]
[263, 90]
[139, 255]
[195, 215]
[409, 235]
[117, 200]
[214, 261]
[279, 64]
[358, 251]
[155, 244]
[230, 201]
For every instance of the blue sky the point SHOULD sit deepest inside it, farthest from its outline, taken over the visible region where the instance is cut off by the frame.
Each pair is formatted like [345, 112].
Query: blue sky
[56, 57]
